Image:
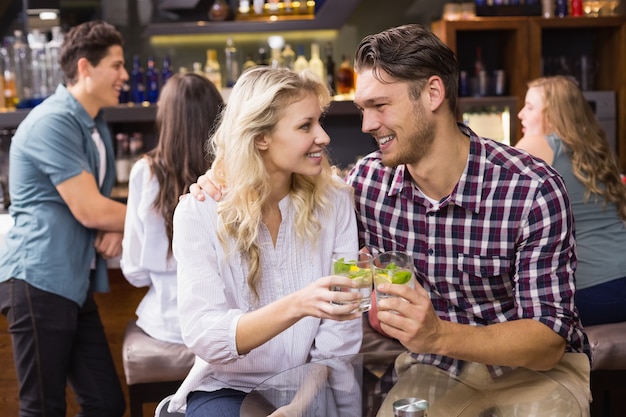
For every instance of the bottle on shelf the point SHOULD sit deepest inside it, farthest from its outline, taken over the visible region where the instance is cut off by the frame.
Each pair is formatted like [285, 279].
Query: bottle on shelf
[196, 68]
[330, 69]
[122, 158]
[244, 7]
[166, 70]
[137, 82]
[288, 56]
[276, 59]
[152, 81]
[219, 11]
[262, 57]
[258, 6]
[53, 47]
[23, 76]
[9, 97]
[301, 63]
[232, 63]
[316, 65]
[248, 63]
[345, 77]
[212, 68]
[37, 44]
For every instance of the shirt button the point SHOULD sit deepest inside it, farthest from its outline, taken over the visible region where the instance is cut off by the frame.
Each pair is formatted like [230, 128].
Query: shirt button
[431, 251]
[483, 270]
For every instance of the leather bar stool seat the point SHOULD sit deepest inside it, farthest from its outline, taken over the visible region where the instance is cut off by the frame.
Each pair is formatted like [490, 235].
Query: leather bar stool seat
[153, 368]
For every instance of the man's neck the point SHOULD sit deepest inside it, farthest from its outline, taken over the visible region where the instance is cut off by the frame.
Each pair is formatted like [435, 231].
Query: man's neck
[438, 174]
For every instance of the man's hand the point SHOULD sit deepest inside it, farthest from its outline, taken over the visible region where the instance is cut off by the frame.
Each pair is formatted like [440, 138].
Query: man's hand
[206, 184]
[109, 244]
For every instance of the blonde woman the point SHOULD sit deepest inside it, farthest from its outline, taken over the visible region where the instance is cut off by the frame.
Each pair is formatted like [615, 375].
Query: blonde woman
[254, 291]
[560, 128]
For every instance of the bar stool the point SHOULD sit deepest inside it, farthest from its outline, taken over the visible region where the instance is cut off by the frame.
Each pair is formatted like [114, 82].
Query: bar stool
[161, 410]
[153, 368]
[608, 368]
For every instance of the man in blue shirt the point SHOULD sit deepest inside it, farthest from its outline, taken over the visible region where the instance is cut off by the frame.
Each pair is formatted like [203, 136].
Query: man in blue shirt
[61, 174]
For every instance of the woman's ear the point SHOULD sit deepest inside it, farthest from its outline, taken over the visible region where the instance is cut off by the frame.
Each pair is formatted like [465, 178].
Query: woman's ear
[261, 142]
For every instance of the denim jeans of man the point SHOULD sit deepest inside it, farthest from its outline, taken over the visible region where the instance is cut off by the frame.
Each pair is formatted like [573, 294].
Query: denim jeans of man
[57, 342]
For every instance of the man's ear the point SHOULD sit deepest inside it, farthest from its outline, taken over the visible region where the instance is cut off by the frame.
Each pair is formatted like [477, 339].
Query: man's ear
[436, 92]
[261, 142]
[83, 67]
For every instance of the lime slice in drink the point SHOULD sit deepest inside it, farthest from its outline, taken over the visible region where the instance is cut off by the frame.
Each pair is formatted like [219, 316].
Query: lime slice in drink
[401, 277]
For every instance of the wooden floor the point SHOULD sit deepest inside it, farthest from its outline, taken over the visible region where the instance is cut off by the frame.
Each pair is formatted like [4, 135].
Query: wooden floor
[116, 308]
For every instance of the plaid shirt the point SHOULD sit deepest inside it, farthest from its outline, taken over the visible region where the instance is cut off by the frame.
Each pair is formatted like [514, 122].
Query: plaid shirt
[500, 247]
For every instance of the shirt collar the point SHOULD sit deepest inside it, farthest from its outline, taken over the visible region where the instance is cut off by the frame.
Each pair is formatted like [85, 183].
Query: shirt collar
[76, 108]
[468, 191]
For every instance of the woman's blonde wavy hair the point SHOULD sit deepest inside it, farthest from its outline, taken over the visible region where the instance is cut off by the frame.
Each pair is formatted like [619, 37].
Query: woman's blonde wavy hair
[258, 101]
[567, 113]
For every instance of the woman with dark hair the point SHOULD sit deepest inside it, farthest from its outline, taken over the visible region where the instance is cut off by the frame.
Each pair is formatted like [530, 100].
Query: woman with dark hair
[187, 110]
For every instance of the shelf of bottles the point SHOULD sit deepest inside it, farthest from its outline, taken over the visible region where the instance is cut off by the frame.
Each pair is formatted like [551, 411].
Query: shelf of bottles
[257, 16]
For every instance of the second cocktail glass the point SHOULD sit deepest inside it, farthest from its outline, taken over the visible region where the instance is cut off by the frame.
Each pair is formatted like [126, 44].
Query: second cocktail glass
[393, 267]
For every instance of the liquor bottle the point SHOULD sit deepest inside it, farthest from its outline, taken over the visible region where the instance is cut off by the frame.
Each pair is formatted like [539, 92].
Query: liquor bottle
[166, 70]
[244, 7]
[577, 7]
[39, 73]
[248, 63]
[23, 76]
[289, 56]
[276, 59]
[345, 77]
[212, 69]
[478, 62]
[122, 158]
[125, 93]
[330, 69]
[9, 96]
[196, 69]
[262, 57]
[53, 47]
[301, 63]
[219, 11]
[152, 82]
[316, 65]
[258, 6]
[232, 63]
[137, 82]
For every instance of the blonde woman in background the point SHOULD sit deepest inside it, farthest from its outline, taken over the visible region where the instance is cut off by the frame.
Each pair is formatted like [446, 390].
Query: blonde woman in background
[559, 127]
[253, 288]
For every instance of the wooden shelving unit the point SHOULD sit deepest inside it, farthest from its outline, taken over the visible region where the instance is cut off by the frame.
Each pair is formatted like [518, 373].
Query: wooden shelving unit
[519, 46]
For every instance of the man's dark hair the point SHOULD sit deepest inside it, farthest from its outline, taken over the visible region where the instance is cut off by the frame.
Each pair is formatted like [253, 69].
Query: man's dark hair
[90, 40]
[410, 53]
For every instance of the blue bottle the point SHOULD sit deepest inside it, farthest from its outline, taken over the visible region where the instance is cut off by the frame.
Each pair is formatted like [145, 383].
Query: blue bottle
[137, 82]
[166, 71]
[152, 82]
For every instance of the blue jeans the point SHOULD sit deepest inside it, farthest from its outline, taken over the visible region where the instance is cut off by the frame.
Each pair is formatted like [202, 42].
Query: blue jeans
[57, 342]
[222, 403]
[604, 303]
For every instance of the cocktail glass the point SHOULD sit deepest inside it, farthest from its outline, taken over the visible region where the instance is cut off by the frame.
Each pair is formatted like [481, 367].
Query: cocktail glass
[393, 267]
[357, 267]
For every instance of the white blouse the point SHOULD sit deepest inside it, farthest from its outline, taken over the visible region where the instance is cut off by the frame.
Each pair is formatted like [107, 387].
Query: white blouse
[145, 261]
[213, 295]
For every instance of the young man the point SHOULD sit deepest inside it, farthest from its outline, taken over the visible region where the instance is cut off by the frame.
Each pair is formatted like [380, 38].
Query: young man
[490, 230]
[61, 174]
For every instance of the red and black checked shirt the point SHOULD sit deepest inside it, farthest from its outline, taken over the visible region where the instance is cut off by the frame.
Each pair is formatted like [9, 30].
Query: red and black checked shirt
[499, 248]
